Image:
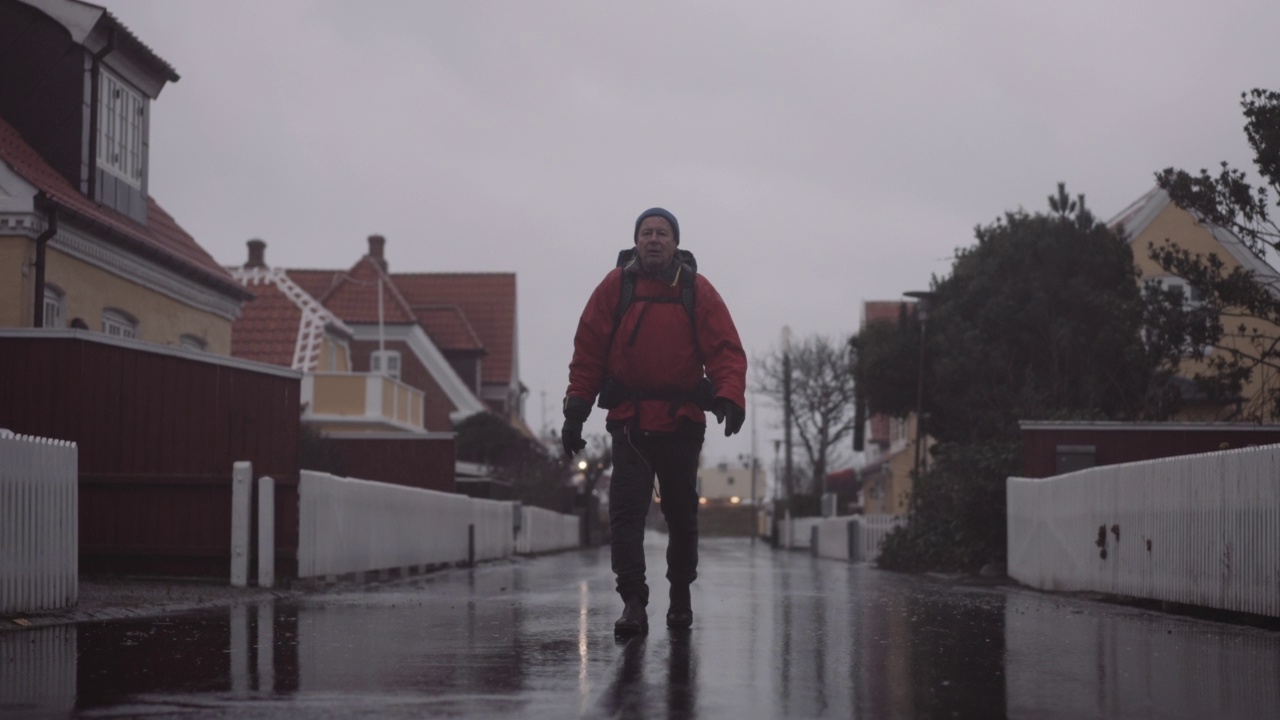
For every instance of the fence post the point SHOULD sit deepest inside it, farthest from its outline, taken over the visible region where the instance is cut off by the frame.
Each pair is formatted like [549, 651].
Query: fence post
[266, 532]
[851, 538]
[241, 500]
[471, 545]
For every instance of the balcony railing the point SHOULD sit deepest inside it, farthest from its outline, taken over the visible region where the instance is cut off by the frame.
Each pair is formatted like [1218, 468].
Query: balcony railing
[355, 400]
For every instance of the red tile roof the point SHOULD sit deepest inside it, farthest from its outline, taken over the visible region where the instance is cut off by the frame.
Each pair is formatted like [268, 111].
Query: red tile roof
[489, 302]
[484, 317]
[267, 329]
[315, 282]
[353, 295]
[283, 325]
[161, 239]
[448, 327]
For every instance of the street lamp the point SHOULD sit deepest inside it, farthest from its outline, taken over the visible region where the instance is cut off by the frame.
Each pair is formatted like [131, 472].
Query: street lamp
[786, 401]
[923, 300]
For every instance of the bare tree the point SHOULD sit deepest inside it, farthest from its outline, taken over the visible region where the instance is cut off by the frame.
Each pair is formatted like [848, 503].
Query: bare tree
[822, 402]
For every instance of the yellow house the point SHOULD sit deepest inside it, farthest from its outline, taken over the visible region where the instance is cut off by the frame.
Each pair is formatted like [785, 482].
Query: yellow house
[885, 473]
[82, 243]
[886, 480]
[1154, 218]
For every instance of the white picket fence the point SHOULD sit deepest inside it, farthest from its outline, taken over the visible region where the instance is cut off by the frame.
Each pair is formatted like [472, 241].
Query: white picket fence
[796, 533]
[1199, 529]
[349, 525]
[38, 672]
[542, 530]
[854, 538]
[39, 524]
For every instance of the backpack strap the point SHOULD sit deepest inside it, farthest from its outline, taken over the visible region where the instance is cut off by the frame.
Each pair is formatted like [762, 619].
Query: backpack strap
[688, 288]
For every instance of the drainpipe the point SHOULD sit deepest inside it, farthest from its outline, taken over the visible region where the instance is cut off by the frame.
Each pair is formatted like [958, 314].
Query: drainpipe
[42, 240]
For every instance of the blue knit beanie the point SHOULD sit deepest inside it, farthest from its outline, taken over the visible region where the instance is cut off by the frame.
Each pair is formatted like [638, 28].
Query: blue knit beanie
[658, 212]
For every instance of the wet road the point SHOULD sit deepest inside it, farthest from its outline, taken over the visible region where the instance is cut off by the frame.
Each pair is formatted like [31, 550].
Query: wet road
[776, 634]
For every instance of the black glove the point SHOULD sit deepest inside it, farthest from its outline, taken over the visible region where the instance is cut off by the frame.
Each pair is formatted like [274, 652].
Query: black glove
[729, 415]
[576, 410]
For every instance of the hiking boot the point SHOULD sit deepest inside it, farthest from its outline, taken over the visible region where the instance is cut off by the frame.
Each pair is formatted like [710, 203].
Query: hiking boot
[680, 615]
[634, 620]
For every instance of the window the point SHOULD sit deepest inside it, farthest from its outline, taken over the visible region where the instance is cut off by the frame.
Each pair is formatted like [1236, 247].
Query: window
[54, 300]
[120, 115]
[386, 362]
[1192, 303]
[1190, 296]
[193, 342]
[118, 323]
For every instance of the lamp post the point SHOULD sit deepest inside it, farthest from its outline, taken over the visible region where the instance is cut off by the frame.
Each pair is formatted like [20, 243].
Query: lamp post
[923, 298]
[786, 403]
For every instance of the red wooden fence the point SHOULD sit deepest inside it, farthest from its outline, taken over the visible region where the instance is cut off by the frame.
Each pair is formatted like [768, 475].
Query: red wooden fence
[421, 461]
[1109, 443]
[158, 430]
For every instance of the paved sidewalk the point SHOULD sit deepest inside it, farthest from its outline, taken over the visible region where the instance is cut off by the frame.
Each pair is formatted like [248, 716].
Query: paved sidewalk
[118, 598]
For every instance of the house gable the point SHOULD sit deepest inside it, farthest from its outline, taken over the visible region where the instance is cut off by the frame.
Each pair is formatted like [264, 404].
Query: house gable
[1153, 219]
[441, 346]
[448, 328]
[488, 301]
[463, 402]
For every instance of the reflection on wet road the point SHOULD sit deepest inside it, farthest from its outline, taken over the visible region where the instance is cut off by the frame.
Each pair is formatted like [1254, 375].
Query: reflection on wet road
[776, 634]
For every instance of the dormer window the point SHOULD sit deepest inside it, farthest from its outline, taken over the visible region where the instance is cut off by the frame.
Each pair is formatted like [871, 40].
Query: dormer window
[121, 113]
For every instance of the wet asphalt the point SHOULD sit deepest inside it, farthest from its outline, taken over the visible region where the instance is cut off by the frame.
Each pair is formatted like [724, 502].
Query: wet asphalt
[776, 634]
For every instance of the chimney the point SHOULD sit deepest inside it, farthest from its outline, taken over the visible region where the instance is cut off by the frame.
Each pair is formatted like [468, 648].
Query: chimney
[376, 243]
[257, 253]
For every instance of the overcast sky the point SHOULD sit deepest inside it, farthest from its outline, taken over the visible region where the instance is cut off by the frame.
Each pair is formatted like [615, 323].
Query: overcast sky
[817, 154]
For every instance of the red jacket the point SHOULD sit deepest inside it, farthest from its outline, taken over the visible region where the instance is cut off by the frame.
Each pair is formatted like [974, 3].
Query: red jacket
[662, 357]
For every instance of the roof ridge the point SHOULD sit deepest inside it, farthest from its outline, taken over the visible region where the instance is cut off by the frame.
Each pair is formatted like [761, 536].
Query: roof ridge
[512, 273]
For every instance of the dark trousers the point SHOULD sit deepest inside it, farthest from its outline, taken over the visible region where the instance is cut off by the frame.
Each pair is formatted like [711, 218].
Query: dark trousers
[637, 458]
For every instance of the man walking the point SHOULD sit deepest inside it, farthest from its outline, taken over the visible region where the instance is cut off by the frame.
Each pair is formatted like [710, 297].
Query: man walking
[658, 346]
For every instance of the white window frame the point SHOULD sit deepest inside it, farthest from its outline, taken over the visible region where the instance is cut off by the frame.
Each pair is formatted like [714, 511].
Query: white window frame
[1190, 297]
[118, 323]
[120, 126]
[392, 363]
[54, 306]
[193, 342]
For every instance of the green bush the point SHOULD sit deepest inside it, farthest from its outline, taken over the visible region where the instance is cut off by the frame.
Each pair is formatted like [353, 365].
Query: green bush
[957, 515]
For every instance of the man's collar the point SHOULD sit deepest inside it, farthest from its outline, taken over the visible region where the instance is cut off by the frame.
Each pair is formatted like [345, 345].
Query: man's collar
[669, 275]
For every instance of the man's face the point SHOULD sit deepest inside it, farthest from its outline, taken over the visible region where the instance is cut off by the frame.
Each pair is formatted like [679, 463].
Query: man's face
[655, 243]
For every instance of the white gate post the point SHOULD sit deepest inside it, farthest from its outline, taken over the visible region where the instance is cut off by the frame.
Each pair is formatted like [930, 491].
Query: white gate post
[241, 500]
[266, 532]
